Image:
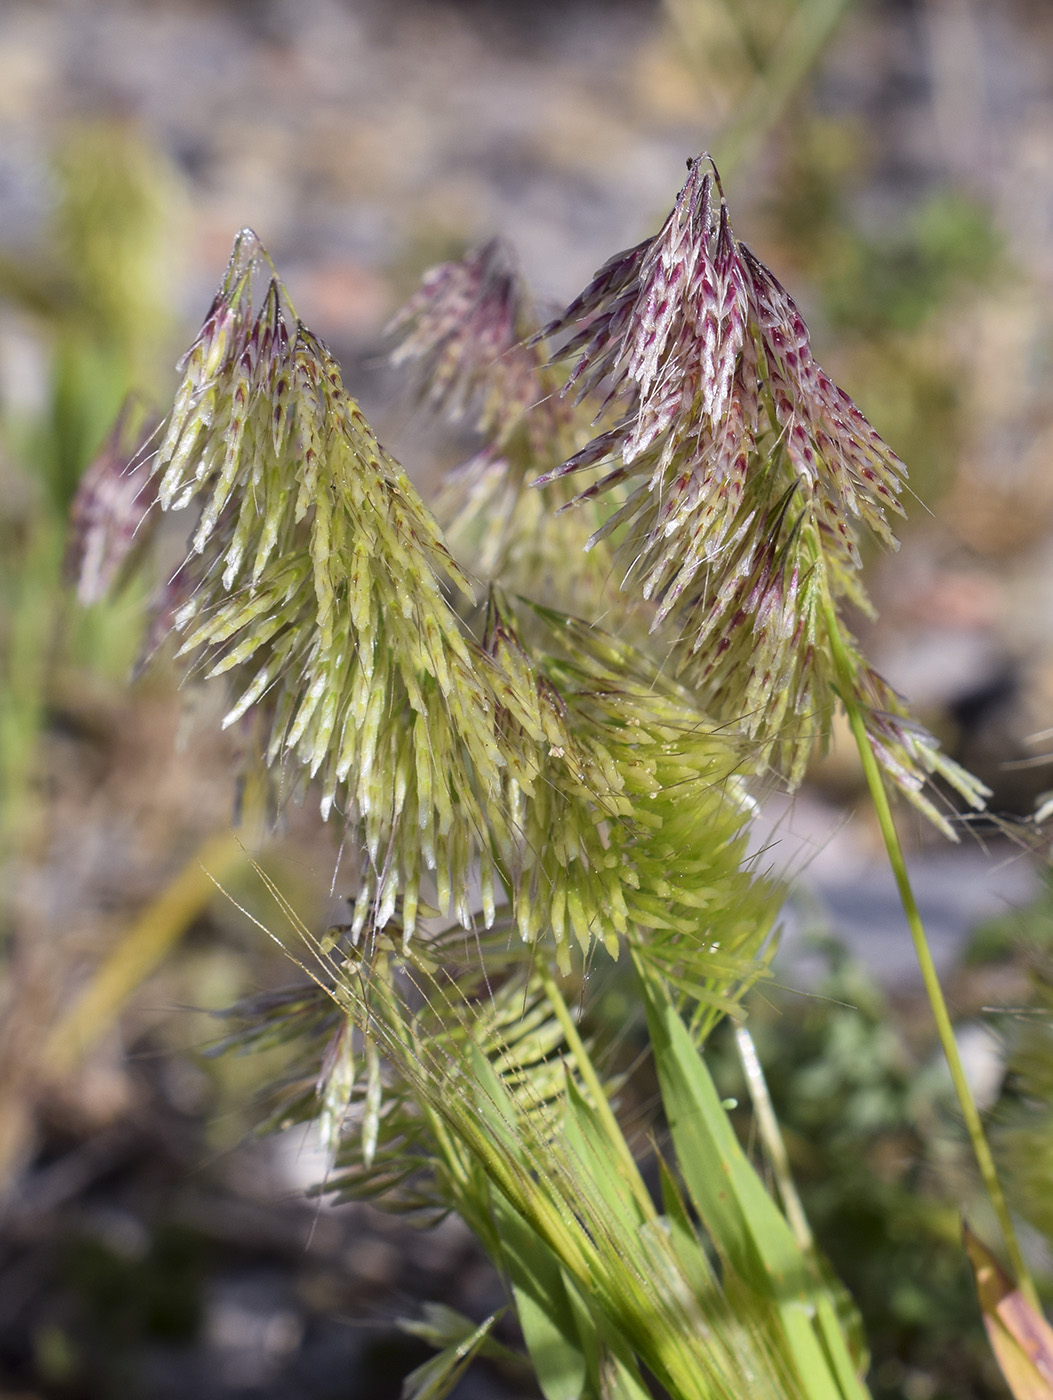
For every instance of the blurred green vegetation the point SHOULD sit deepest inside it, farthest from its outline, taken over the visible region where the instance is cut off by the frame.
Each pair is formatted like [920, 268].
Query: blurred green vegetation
[884, 279]
[130, 1296]
[1023, 1136]
[87, 310]
[93, 295]
[884, 275]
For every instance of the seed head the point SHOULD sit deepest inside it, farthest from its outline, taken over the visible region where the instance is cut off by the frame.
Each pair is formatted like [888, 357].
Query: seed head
[465, 331]
[749, 475]
[315, 583]
[470, 335]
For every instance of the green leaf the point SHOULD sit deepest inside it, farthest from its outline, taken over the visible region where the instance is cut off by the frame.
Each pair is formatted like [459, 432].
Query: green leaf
[599, 1162]
[689, 1248]
[548, 1319]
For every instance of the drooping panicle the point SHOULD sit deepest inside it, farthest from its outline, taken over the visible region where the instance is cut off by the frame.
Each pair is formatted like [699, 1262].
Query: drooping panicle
[468, 335]
[744, 474]
[315, 579]
[465, 331]
[315, 582]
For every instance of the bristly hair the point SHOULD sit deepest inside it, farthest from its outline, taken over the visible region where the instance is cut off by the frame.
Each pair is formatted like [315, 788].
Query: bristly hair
[751, 473]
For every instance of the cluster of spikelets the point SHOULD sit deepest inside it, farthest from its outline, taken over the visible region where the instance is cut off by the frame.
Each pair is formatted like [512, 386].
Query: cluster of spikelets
[748, 473]
[468, 342]
[563, 779]
[468, 772]
[370, 1124]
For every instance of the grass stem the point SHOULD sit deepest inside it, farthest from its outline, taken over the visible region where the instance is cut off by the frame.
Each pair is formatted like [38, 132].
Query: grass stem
[773, 1141]
[933, 990]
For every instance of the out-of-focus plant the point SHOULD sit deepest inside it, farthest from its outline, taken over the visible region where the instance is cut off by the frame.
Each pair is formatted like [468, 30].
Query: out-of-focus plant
[888, 289]
[93, 287]
[91, 293]
[1028, 1142]
[756, 55]
[90, 298]
[527, 794]
[1023, 1137]
[1024, 1129]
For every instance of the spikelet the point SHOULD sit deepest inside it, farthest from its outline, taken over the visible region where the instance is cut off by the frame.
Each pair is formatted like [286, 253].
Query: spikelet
[112, 515]
[463, 332]
[468, 337]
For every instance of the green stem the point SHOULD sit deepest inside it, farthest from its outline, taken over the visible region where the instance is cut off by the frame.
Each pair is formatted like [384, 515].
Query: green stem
[934, 991]
[592, 1081]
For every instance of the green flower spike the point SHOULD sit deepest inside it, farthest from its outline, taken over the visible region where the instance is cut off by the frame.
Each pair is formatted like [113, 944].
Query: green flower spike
[315, 579]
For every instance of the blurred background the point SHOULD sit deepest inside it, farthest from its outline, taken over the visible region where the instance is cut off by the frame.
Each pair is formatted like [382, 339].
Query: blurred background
[892, 161]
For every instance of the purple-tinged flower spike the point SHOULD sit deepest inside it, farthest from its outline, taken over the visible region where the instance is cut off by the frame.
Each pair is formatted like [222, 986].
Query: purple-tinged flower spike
[112, 515]
[469, 334]
[749, 474]
[465, 330]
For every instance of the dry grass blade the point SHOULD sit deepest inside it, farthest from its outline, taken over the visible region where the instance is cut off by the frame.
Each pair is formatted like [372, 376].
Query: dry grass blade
[1021, 1338]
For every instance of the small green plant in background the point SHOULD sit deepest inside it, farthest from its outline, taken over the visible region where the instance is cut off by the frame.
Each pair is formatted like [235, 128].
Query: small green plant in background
[89, 297]
[1022, 942]
[536, 772]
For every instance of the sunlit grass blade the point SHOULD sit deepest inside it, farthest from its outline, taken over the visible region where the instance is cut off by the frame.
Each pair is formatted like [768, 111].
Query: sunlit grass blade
[562, 1358]
[493, 1155]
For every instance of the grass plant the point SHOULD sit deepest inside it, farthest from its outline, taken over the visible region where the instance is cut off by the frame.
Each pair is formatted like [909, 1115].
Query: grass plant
[529, 795]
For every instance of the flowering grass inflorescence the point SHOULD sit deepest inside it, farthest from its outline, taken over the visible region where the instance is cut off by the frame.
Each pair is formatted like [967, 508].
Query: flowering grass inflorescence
[750, 473]
[464, 334]
[556, 788]
[113, 514]
[468, 337]
[512, 769]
